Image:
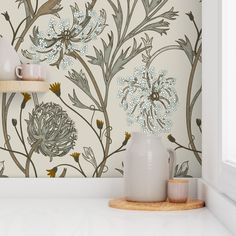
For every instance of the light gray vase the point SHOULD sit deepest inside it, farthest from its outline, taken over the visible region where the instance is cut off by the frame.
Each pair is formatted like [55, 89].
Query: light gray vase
[9, 59]
[147, 167]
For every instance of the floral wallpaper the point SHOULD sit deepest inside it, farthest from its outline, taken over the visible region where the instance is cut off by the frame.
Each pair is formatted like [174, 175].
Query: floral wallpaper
[114, 67]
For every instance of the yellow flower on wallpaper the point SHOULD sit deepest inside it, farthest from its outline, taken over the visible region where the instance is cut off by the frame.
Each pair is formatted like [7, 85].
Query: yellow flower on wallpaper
[56, 88]
[52, 172]
[26, 98]
[76, 156]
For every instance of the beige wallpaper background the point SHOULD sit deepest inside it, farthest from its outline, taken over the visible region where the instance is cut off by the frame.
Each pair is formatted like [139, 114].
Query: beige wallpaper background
[77, 143]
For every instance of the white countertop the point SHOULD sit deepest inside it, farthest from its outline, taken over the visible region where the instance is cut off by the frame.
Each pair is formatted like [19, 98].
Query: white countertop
[93, 217]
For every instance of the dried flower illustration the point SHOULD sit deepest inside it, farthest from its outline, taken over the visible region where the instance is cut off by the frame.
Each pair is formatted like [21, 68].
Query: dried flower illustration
[148, 99]
[50, 123]
[56, 88]
[26, 98]
[100, 124]
[171, 138]
[76, 156]
[62, 38]
[89, 156]
[127, 137]
[6, 15]
[14, 122]
[52, 172]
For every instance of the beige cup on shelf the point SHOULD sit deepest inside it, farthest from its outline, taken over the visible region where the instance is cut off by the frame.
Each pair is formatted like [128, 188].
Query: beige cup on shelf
[178, 190]
[31, 72]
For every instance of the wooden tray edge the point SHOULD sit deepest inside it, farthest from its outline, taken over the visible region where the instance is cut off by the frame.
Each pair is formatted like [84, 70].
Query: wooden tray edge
[122, 204]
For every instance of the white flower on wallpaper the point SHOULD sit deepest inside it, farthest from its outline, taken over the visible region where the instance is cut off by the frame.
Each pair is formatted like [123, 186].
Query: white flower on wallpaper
[62, 37]
[149, 98]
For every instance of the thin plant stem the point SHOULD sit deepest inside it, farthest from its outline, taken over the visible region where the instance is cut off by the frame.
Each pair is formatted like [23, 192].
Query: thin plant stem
[81, 169]
[105, 159]
[92, 78]
[16, 31]
[195, 99]
[197, 41]
[21, 132]
[72, 167]
[85, 120]
[36, 7]
[103, 109]
[161, 50]
[18, 134]
[5, 133]
[188, 104]
[189, 149]
[13, 151]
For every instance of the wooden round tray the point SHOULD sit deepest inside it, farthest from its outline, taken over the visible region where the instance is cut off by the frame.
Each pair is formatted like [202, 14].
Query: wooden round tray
[155, 206]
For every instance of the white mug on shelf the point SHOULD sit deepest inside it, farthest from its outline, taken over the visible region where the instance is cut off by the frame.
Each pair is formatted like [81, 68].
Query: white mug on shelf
[31, 72]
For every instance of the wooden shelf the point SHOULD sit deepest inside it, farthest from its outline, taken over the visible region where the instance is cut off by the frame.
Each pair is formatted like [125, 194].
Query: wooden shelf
[155, 206]
[23, 86]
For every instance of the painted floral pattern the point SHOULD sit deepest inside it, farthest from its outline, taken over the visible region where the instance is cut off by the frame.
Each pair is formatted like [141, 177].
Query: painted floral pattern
[89, 46]
[50, 124]
[62, 38]
[149, 98]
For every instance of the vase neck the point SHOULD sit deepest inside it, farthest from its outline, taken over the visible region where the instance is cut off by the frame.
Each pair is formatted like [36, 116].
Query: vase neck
[143, 136]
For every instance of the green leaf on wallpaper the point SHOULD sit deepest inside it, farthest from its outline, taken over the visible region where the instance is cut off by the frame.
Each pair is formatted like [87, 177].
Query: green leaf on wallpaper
[76, 102]
[63, 173]
[102, 58]
[89, 156]
[187, 47]
[50, 7]
[75, 9]
[150, 6]
[154, 4]
[182, 170]
[124, 58]
[160, 27]
[36, 40]
[99, 59]
[120, 171]
[80, 80]
[19, 2]
[118, 16]
[2, 168]
[28, 54]
[108, 48]
[170, 15]
[146, 6]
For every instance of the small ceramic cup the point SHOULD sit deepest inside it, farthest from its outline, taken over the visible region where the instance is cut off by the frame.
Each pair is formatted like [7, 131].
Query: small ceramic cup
[31, 72]
[178, 190]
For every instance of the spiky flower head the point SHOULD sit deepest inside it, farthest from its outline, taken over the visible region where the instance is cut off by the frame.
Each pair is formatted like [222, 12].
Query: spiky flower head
[49, 123]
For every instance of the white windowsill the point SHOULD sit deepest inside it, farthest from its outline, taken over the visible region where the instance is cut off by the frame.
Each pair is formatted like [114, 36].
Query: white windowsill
[219, 204]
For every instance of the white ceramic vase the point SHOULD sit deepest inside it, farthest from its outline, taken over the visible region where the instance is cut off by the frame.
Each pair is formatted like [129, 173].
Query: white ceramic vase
[148, 165]
[9, 59]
